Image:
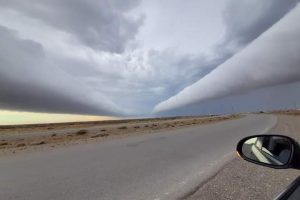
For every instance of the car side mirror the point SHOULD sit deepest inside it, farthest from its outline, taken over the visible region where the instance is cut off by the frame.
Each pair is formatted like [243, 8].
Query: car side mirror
[275, 151]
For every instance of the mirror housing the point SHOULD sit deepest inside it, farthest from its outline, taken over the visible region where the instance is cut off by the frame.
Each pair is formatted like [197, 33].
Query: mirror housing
[275, 151]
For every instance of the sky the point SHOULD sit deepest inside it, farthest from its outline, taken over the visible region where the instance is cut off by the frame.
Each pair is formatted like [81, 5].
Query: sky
[149, 58]
[17, 117]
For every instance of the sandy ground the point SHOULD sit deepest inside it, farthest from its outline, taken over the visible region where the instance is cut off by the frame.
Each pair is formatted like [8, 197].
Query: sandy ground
[246, 181]
[287, 112]
[14, 139]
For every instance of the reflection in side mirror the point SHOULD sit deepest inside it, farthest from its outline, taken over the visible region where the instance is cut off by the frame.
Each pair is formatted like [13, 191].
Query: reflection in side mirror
[269, 150]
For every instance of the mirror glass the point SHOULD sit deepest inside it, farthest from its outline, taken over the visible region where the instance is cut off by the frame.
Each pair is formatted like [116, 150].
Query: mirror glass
[272, 150]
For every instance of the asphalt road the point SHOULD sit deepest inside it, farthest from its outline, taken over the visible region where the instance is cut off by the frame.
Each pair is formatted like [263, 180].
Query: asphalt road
[162, 165]
[244, 180]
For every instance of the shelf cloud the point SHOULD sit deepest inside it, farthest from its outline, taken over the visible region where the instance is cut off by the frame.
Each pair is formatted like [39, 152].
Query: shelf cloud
[271, 59]
[112, 57]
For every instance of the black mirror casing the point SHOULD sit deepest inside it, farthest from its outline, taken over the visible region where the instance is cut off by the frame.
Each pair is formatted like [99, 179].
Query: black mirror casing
[291, 162]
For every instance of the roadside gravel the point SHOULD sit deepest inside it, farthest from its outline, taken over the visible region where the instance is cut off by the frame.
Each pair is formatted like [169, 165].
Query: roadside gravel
[246, 181]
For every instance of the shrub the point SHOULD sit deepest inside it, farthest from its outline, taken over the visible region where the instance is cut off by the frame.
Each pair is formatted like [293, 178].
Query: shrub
[100, 135]
[3, 143]
[123, 127]
[39, 143]
[21, 145]
[82, 132]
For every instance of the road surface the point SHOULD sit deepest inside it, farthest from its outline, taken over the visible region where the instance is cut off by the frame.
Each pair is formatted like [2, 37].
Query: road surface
[163, 165]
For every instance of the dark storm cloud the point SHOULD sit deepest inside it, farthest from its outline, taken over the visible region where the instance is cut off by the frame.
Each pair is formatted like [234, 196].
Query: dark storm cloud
[101, 24]
[29, 82]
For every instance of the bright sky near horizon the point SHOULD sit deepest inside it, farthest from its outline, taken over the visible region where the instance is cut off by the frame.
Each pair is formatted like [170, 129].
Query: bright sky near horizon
[15, 117]
[148, 58]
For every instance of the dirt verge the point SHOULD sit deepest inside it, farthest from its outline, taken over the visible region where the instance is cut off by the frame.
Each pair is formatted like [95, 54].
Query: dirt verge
[19, 138]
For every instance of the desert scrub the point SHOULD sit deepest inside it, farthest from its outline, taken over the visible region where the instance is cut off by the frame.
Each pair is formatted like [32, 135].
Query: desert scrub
[100, 135]
[82, 132]
[122, 127]
[21, 145]
[38, 143]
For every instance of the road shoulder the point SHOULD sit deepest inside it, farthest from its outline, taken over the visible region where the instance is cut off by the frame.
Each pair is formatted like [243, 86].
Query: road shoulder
[243, 180]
